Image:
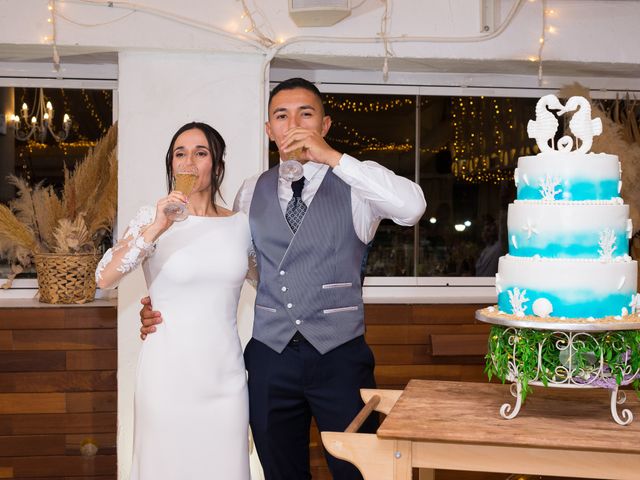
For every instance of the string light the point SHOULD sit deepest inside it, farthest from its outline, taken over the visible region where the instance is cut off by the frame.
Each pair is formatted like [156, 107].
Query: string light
[253, 26]
[359, 107]
[489, 157]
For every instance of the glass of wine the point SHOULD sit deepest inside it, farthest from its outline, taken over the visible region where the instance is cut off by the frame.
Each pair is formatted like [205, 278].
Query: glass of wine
[184, 179]
[290, 168]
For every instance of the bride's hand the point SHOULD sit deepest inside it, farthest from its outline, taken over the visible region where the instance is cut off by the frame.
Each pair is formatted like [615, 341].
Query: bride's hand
[162, 222]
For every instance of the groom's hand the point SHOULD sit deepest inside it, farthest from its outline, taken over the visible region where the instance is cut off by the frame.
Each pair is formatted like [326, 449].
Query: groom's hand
[148, 318]
[313, 145]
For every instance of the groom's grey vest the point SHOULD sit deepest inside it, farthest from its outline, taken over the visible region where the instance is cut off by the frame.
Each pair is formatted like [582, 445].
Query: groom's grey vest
[310, 281]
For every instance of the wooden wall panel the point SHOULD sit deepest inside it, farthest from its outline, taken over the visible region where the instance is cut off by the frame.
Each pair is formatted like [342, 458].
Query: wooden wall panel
[35, 361]
[58, 381]
[31, 445]
[57, 389]
[92, 360]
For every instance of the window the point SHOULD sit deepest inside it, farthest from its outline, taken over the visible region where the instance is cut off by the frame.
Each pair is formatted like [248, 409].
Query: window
[44, 159]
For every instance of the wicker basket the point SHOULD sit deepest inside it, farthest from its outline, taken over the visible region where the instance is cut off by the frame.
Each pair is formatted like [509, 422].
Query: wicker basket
[66, 278]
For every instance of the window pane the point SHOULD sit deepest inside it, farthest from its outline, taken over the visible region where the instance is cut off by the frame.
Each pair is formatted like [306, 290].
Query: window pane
[44, 158]
[469, 149]
[379, 128]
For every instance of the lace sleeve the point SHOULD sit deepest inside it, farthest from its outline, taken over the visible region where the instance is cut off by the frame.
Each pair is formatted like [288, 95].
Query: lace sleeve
[128, 253]
[252, 274]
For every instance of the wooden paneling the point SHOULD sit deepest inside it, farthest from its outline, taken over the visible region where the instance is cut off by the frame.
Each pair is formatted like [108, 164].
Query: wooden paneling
[58, 381]
[32, 403]
[57, 389]
[92, 360]
[6, 340]
[31, 445]
[65, 465]
[38, 361]
[63, 340]
[449, 345]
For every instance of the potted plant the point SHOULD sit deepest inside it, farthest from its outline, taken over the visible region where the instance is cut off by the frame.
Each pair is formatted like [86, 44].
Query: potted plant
[60, 233]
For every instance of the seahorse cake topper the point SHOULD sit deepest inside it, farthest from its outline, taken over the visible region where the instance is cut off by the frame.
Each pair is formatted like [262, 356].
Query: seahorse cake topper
[582, 126]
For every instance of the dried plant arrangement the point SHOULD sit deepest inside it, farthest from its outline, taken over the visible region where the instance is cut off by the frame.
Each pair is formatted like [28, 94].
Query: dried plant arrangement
[40, 220]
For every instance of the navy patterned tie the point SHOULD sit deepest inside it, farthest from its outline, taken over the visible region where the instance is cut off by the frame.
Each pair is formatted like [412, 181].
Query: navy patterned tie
[296, 208]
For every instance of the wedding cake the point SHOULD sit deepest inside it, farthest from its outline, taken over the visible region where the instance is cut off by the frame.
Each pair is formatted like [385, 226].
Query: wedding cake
[568, 228]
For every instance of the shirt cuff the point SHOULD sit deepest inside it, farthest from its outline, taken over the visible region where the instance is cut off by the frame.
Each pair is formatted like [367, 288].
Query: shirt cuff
[347, 167]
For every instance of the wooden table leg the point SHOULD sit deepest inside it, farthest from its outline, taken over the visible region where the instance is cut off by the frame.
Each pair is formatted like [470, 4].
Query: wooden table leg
[426, 474]
[372, 456]
[402, 464]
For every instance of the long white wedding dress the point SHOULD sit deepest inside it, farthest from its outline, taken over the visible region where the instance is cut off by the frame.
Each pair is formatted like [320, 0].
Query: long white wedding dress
[191, 401]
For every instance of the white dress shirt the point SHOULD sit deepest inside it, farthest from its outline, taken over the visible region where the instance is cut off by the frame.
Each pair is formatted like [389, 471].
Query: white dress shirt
[376, 193]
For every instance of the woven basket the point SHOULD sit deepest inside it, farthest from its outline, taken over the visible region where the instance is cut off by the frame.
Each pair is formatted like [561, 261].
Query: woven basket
[66, 278]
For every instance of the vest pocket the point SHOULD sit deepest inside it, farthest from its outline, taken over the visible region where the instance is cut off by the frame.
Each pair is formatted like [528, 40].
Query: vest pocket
[336, 285]
[340, 309]
[268, 309]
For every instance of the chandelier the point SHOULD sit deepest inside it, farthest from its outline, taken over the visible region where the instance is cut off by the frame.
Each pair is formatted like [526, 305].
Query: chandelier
[41, 122]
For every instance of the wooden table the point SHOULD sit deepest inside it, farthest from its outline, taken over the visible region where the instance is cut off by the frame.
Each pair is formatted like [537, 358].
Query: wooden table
[457, 426]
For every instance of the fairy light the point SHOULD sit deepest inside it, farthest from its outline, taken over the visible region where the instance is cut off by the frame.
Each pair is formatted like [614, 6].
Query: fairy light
[253, 27]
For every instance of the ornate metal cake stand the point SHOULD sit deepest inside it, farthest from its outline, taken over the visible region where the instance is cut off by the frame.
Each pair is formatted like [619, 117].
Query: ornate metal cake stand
[591, 371]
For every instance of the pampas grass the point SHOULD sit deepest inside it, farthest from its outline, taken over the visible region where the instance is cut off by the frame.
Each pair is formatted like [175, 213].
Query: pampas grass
[39, 220]
[15, 233]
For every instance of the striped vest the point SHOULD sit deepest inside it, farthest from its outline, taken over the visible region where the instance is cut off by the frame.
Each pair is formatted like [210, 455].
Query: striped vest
[310, 281]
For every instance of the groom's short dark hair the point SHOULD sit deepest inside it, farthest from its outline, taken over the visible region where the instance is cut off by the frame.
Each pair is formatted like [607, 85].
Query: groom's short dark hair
[293, 83]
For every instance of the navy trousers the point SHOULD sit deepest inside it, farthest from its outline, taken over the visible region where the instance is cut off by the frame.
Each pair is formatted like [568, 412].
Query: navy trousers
[287, 389]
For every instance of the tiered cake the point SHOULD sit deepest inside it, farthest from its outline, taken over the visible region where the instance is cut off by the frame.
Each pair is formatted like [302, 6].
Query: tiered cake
[568, 229]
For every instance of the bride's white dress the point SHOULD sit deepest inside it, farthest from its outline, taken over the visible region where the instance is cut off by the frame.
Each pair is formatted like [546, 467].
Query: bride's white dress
[191, 401]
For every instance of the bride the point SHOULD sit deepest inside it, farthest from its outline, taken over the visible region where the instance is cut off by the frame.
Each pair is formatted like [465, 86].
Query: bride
[191, 404]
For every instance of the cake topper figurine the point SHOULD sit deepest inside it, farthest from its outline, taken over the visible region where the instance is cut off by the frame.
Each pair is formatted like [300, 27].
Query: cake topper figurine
[583, 127]
[545, 126]
[543, 129]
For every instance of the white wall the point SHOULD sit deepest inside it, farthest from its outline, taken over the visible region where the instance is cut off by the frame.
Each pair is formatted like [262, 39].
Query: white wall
[158, 93]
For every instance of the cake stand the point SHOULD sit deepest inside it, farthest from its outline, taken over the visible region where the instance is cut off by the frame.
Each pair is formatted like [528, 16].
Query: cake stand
[571, 353]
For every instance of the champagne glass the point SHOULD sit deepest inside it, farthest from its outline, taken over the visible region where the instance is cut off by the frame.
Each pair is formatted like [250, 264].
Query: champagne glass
[184, 179]
[291, 169]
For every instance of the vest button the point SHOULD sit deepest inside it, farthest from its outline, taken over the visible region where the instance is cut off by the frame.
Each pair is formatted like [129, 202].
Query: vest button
[289, 305]
[298, 322]
[281, 272]
[284, 289]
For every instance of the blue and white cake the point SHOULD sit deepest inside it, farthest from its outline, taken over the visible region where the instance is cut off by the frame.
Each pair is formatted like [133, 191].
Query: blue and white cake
[568, 229]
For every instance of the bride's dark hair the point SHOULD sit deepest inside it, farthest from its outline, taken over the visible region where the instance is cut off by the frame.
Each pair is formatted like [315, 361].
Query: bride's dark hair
[217, 148]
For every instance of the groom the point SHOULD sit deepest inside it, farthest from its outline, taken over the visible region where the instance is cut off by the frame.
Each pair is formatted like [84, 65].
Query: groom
[308, 357]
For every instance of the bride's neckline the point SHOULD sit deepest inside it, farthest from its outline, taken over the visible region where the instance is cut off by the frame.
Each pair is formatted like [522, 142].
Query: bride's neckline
[217, 216]
[231, 214]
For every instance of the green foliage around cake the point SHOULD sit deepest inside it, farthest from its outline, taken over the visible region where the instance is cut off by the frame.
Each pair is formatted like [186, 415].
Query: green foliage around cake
[527, 355]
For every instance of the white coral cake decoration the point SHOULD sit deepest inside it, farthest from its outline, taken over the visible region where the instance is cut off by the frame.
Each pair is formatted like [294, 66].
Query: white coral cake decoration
[548, 188]
[607, 244]
[517, 299]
